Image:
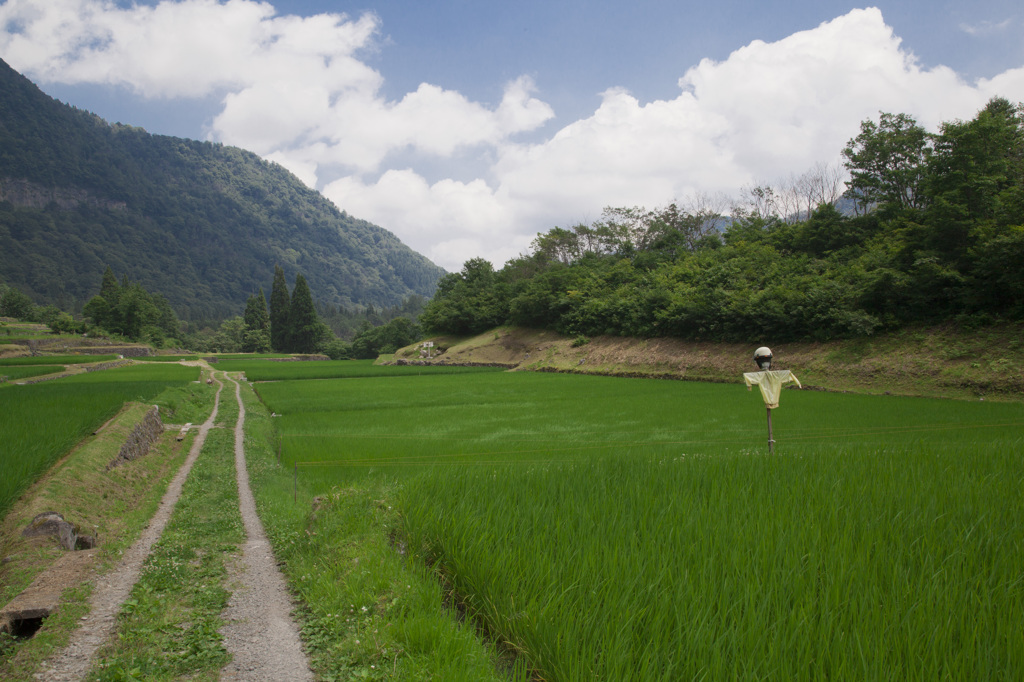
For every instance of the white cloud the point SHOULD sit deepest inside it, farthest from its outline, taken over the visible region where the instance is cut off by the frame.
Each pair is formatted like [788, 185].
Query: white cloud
[298, 91]
[361, 129]
[449, 221]
[189, 48]
[986, 28]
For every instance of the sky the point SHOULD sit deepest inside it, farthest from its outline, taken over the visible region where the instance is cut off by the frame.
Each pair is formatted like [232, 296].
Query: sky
[467, 127]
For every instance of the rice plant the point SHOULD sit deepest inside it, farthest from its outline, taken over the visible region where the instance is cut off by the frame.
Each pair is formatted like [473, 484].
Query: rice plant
[41, 422]
[276, 370]
[638, 529]
[25, 372]
[55, 360]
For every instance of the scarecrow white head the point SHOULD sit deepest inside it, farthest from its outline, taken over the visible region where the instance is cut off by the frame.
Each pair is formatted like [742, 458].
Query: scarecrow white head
[763, 358]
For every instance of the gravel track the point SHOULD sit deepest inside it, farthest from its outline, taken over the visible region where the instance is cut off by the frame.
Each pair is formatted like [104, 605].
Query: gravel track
[73, 661]
[260, 633]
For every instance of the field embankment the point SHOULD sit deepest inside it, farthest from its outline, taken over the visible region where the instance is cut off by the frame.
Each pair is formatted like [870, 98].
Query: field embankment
[936, 361]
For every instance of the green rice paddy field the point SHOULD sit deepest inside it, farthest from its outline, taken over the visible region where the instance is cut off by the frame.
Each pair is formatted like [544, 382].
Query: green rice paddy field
[40, 423]
[637, 529]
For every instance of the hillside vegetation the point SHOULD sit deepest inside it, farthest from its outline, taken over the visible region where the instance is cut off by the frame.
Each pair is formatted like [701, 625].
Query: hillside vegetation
[935, 233]
[201, 224]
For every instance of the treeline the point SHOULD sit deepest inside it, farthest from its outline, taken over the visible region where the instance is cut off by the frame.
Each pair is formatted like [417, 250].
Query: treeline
[16, 304]
[290, 323]
[128, 310]
[934, 231]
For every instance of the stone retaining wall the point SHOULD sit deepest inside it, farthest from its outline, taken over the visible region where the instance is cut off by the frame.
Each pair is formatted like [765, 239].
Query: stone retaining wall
[141, 439]
[107, 365]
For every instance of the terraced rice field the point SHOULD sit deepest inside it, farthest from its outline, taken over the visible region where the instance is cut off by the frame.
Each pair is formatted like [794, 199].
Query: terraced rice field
[638, 529]
[40, 423]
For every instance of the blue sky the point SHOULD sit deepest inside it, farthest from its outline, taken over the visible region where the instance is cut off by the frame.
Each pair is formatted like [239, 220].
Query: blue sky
[467, 127]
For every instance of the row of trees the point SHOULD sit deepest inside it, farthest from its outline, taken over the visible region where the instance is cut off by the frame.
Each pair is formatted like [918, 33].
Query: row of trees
[127, 309]
[936, 231]
[294, 326]
[290, 324]
[17, 304]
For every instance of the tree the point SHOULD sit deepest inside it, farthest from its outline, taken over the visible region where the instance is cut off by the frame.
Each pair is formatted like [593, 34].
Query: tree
[558, 244]
[372, 341]
[888, 163]
[257, 325]
[977, 161]
[131, 311]
[467, 302]
[165, 319]
[97, 310]
[16, 304]
[689, 226]
[796, 199]
[110, 290]
[279, 302]
[305, 330]
[102, 309]
[135, 310]
[230, 337]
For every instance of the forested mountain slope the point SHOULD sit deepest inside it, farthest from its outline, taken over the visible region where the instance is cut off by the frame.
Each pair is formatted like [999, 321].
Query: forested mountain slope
[202, 224]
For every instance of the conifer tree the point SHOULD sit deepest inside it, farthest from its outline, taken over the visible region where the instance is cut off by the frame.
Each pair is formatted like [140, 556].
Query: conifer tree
[110, 290]
[103, 307]
[257, 325]
[304, 326]
[279, 302]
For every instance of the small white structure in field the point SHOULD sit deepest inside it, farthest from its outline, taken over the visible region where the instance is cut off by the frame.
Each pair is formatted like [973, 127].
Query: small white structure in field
[771, 382]
[427, 347]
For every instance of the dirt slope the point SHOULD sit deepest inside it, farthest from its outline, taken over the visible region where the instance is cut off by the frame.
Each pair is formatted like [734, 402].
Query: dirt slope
[937, 361]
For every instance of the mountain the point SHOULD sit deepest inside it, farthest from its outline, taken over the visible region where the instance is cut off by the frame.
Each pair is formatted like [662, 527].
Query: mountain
[201, 223]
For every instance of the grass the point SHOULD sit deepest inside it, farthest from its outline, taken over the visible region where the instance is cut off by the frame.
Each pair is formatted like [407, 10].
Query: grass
[537, 418]
[636, 529]
[16, 373]
[40, 423]
[12, 333]
[168, 627]
[263, 370]
[55, 360]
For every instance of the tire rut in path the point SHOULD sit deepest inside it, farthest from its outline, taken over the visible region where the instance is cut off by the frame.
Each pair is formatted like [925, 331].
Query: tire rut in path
[259, 632]
[111, 590]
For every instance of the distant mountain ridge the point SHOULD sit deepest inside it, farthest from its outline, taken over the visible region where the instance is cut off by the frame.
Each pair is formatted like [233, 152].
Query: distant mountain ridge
[199, 222]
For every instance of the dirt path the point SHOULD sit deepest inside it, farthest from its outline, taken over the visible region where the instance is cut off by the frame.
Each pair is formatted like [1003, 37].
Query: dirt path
[260, 633]
[74, 660]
